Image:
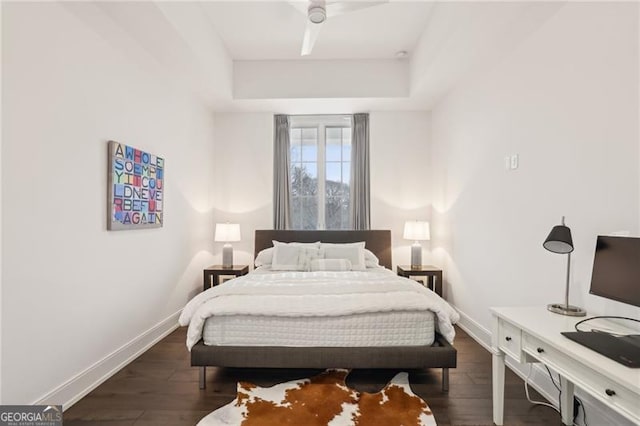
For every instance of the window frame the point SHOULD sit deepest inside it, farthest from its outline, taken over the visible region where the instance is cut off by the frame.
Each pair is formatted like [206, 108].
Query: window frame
[321, 122]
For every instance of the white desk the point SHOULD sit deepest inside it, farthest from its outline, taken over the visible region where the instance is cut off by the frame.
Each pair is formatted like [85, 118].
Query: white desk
[533, 335]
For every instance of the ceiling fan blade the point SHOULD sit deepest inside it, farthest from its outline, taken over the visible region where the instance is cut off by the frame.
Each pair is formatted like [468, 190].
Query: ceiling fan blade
[310, 37]
[300, 6]
[336, 8]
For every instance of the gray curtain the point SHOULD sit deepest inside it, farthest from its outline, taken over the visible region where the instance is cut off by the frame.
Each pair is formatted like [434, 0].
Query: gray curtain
[360, 198]
[281, 162]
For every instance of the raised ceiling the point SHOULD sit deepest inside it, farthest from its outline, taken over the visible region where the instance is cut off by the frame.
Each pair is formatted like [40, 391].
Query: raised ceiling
[274, 30]
[244, 56]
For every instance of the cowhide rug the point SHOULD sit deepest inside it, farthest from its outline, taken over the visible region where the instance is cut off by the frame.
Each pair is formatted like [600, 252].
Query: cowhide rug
[323, 400]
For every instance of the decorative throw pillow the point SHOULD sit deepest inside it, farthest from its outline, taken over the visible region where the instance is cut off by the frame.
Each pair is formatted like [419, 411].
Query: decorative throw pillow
[306, 255]
[293, 256]
[330, 265]
[354, 252]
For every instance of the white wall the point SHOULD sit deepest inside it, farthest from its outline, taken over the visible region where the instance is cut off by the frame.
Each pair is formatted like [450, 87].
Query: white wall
[373, 78]
[566, 101]
[400, 185]
[243, 160]
[74, 293]
[242, 168]
[1, 400]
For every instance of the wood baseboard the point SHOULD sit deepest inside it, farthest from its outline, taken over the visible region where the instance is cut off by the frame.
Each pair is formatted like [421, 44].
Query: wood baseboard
[72, 390]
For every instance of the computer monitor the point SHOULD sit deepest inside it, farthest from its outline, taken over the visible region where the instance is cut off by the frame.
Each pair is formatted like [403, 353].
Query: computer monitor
[616, 269]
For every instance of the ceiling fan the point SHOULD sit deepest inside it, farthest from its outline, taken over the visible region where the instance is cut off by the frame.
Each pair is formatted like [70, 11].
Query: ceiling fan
[317, 12]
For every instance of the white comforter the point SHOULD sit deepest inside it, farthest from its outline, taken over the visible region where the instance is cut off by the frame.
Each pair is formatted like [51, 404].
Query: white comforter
[315, 294]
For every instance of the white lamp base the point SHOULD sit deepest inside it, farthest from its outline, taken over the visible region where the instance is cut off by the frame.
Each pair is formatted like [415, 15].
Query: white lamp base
[416, 255]
[227, 256]
[562, 309]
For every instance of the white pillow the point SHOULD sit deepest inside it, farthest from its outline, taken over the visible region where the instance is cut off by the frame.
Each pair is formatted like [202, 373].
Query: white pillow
[293, 256]
[370, 259]
[354, 252]
[330, 265]
[265, 257]
[316, 244]
[285, 257]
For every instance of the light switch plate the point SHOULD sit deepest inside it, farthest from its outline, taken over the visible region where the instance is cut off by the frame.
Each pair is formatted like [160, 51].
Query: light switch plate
[514, 161]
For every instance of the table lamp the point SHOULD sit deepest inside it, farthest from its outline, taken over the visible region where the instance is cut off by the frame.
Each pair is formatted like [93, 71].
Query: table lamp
[560, 241]
[416, 231]
[227, 233]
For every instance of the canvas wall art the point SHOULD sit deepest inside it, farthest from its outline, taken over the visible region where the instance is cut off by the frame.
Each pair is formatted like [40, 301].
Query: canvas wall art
[136, 188]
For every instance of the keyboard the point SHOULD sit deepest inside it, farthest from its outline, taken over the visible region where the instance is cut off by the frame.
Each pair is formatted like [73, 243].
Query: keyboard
[625, 350]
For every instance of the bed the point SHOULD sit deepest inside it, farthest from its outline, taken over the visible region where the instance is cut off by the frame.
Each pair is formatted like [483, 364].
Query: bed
[439, 354]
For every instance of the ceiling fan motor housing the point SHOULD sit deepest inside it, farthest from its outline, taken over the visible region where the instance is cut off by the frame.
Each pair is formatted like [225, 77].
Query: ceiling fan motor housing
[317, 14]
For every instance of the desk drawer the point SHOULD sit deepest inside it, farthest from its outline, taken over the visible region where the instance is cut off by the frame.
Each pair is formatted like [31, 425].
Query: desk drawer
[510, 340]
[590, 380]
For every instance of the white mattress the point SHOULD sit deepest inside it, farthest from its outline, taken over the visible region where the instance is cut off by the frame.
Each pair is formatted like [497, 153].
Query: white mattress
[401, 328]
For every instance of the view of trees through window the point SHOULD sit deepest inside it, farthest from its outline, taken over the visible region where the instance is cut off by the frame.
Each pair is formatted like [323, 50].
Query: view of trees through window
[320, 177]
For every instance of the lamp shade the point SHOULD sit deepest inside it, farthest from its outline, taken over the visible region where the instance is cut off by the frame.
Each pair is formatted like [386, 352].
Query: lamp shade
[227, 232]
[416, 230]
[559, 240]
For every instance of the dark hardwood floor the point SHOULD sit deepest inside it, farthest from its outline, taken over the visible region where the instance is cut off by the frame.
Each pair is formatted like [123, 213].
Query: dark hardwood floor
[160, 388]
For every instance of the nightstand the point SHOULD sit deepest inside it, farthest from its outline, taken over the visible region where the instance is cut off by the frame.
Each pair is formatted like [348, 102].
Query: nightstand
[212, 274]
[432, 274]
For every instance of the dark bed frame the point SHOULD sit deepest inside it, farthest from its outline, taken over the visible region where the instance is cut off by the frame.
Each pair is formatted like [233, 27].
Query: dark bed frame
[439, 355]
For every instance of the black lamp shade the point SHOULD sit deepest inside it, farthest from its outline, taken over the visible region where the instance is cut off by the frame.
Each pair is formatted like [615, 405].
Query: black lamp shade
[559, 240]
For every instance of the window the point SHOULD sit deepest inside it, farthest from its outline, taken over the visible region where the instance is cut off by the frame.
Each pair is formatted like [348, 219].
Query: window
[320, 172]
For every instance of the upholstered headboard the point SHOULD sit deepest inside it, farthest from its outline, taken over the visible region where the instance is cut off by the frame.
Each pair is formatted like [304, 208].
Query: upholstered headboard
[378, 241]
